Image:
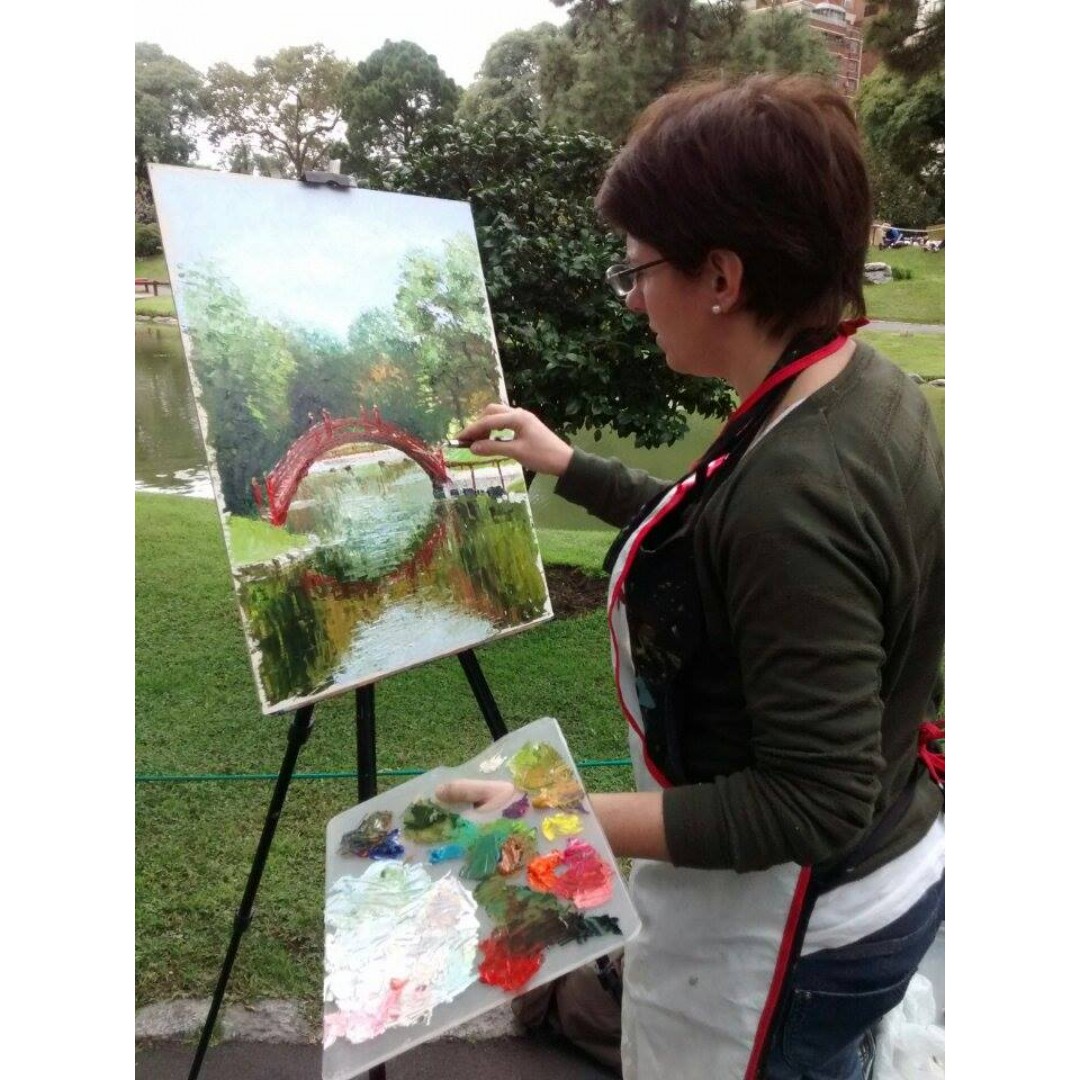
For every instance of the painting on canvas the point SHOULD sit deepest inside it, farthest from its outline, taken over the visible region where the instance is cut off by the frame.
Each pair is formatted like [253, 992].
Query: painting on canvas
[337, 339]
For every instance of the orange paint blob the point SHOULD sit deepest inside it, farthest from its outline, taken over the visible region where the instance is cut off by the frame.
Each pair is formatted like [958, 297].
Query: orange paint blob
[540, 873]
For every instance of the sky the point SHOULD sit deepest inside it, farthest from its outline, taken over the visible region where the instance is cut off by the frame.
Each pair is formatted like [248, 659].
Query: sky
[457, 32]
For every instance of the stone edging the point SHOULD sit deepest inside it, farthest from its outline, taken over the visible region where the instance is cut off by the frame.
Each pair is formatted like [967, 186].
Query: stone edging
[278, 1021]
[167, 320]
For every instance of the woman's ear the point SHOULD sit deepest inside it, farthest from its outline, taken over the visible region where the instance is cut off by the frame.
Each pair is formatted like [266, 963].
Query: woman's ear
[724, 272]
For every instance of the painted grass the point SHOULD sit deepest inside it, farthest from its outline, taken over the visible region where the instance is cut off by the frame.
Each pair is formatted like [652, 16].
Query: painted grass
[921, 300]
[256, 541]
[197, 714]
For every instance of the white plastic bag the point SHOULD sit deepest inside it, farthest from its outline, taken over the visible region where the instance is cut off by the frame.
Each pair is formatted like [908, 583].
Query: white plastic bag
[910, 1046]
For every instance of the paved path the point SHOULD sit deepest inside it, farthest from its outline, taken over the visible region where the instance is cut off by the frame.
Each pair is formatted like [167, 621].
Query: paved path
[906, 327]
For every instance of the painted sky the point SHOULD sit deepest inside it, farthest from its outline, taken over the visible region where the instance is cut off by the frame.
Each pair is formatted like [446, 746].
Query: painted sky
[309, 255]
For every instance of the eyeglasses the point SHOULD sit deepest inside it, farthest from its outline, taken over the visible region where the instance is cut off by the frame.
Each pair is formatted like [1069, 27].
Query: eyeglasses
[622, 277]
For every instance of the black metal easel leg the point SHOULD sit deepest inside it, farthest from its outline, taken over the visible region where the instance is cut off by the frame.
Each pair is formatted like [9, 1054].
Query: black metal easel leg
[365, 743]
[366, 777]
[482, 692]
[298, 733]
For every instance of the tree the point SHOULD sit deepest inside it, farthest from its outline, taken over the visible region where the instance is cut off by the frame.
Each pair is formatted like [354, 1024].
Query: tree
[167, 104]
[910, 36]
[904, 127]
[901, 109]
[289, 108]
[389, 100]
[781, 42]
[615, 56]
[508, 86]
[570, 350]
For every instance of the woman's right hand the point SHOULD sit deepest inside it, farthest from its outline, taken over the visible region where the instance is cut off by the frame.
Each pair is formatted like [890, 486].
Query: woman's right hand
[534, 444]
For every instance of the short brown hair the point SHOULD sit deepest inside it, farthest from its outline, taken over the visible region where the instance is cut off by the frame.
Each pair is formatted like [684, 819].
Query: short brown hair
[770, 168]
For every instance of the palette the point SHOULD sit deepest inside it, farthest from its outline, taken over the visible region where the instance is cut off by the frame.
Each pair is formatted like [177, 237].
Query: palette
[436, 913]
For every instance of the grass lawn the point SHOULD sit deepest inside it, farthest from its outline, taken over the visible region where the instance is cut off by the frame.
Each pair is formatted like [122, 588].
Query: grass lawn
[197, 715]
[920, 300]
[153, 268]
[924, 354]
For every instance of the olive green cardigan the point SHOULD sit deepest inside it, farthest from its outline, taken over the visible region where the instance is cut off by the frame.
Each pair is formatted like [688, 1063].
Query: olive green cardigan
[820, 561]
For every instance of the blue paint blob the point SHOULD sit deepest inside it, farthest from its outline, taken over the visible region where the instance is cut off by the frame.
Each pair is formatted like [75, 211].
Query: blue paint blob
[446, 853]
[389, 847]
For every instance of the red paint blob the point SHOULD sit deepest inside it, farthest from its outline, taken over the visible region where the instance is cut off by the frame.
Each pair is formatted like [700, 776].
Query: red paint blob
[501, 967]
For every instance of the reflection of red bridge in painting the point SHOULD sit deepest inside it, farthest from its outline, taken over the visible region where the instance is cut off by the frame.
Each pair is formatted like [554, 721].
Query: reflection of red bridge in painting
[422, 558]
[328, 434]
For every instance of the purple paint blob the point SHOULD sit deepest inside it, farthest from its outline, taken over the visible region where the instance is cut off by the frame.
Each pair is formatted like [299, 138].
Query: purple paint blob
[517, 809]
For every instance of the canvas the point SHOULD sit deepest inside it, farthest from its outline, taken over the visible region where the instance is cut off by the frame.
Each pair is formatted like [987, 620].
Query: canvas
[337, 339]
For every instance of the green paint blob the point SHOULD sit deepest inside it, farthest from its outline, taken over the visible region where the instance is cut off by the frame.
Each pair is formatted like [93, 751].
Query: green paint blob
[428, 823]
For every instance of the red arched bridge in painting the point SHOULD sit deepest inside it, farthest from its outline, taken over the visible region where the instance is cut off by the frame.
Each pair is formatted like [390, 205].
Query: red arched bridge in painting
[331, 433]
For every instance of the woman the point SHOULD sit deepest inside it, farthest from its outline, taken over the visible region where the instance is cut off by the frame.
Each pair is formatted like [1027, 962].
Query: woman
[777, 614]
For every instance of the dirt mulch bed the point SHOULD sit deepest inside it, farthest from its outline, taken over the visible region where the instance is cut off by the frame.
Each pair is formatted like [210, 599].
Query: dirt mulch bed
[574, 592]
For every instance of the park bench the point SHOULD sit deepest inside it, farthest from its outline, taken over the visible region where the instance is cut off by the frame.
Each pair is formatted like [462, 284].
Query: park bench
[146, 284]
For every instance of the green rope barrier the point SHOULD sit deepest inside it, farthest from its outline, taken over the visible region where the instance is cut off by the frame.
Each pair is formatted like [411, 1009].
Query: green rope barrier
[165, 778]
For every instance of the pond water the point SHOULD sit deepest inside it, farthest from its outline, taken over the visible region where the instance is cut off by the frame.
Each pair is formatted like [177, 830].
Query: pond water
[169, 454]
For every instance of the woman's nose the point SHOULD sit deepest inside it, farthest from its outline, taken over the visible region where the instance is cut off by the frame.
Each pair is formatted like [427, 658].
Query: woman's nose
[634, 299]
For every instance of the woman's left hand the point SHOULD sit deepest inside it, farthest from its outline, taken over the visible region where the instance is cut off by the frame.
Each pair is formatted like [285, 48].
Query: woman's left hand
[483, 795]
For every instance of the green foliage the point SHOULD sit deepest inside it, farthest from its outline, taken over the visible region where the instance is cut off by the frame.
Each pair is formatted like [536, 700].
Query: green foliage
[780, 42]
[507, 89]
[166, 106]
[441, 303]
[612, 57]
[901, 109]
[904, 126]
[912, 43]
[147, 240]
[245, 367]
[389, 100]
[286, 113]
[570, 350]
[902, 273]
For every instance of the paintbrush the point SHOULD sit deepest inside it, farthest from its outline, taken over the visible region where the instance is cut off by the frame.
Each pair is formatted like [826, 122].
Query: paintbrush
[464, 444]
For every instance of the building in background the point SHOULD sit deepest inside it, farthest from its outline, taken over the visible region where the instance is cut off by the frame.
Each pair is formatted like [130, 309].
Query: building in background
[840, 24]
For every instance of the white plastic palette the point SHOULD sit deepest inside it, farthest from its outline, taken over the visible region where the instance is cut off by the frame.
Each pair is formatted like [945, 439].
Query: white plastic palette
[344, 1059]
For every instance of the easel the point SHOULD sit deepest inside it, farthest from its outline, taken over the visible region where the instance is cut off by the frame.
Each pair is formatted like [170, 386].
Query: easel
[301, 727]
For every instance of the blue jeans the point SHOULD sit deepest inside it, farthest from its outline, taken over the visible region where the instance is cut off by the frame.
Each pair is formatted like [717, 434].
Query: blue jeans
[837, 995]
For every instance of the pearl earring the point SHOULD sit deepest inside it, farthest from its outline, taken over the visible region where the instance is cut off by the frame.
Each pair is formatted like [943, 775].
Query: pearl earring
[716, 309]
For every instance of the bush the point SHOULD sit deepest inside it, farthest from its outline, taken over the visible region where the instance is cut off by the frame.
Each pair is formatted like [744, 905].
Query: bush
[902, 273]
[147, 241]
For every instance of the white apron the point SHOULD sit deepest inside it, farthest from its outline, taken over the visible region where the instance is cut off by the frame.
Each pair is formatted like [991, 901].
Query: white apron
[703, 979]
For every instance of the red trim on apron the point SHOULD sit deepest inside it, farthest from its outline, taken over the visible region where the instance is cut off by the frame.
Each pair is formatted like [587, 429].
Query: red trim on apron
[783, 961]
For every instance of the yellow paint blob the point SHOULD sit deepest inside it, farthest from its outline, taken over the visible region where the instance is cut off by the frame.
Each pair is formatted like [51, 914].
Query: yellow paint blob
[561, 825]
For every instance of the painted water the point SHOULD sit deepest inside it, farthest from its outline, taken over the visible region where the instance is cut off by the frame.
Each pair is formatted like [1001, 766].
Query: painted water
[382, 576]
